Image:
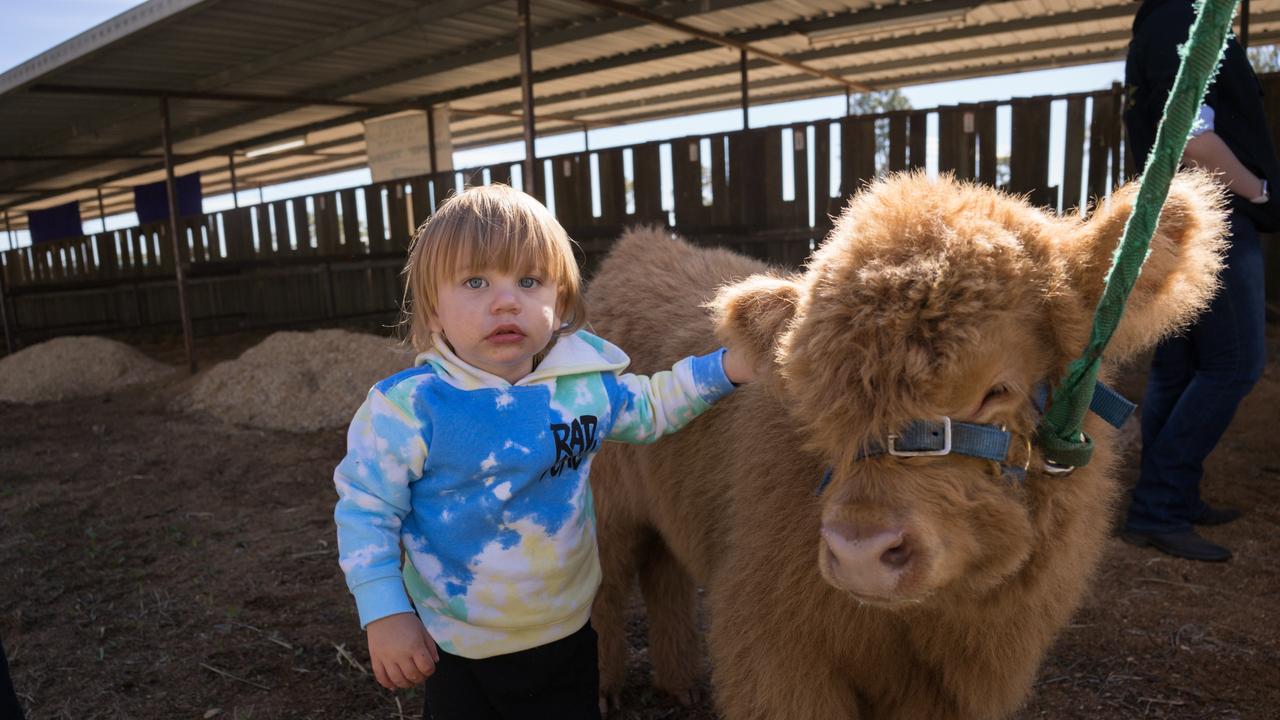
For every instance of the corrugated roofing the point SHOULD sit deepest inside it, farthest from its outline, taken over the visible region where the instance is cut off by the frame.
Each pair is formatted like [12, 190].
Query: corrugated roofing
[591, 64]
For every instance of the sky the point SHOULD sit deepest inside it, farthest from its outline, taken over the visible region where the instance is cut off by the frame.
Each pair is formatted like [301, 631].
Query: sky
[31, 27]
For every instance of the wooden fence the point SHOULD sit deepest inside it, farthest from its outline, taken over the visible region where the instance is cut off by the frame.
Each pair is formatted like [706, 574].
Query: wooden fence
[768, 192]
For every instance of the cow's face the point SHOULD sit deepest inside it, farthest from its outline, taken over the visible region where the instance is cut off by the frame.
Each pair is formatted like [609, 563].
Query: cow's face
[933, 299]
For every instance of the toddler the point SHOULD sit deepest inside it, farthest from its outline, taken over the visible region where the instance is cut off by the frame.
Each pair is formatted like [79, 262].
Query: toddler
[475, 462]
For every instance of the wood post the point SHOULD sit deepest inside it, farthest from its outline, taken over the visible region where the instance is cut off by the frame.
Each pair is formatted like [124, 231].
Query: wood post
[171, 188]
[524, 43]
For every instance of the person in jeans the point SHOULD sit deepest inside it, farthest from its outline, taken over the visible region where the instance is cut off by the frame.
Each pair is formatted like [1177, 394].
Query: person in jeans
[1198, 378]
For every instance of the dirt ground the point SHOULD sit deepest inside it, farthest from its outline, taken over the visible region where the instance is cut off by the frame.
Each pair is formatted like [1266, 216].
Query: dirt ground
[162, 565]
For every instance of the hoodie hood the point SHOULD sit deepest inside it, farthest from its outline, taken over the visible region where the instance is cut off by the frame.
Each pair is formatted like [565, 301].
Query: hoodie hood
[574, 354]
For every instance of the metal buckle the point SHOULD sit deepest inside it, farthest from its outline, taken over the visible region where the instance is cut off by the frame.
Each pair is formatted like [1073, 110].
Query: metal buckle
[946, 443]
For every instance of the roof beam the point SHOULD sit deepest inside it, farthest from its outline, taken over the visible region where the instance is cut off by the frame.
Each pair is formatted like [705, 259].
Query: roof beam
[723, 40]
[200, 95]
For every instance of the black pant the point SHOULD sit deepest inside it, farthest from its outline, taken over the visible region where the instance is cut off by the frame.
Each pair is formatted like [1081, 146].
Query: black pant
[556, 681]
[9, 707]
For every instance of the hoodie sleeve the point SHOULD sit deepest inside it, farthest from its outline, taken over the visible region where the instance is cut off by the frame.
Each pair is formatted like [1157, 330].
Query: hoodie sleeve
[386, 451]
[647, 407]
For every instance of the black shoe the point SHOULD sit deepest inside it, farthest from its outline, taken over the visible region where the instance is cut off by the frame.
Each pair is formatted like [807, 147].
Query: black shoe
[1187, 545]
[1217, 516]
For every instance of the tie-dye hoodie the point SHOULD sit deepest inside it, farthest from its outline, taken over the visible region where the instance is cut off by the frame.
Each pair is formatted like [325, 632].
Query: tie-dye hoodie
[484, 483]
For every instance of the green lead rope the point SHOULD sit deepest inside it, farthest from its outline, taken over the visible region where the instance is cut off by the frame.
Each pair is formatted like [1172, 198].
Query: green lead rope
[1061, 438]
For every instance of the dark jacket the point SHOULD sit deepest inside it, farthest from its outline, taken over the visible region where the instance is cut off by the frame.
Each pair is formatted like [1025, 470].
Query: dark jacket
[1235, 96]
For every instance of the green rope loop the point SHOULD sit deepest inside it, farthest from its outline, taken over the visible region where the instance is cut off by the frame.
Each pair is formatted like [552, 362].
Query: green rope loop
[1061, 437]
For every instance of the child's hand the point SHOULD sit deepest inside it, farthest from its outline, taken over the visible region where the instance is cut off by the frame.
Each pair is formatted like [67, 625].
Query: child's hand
[401, 651]
[737, 369]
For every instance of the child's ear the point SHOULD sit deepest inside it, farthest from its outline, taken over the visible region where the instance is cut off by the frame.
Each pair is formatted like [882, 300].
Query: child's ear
[1180, 275]
[751, 314]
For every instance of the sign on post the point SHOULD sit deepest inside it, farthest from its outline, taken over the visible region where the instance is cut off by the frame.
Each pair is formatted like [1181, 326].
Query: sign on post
[399, 146]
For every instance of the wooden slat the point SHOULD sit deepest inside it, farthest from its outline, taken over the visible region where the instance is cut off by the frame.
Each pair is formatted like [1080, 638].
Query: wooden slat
[748, 203]
[719, 210]
[949, 140]
[350, 222]
[775, 208]
[264, 242]
[822, 176]
[919, 126]
[985, 122]
[686, 178]
[1101, 133]
[857, 154]
[613, 190]
[500, 173]
[800, 168]
[1117, 134]
[1029, 152]
[420, 200]
[328, 232]
[1073, 155]
[301, 226]
[280, 214]
[567, 172]
[398, 215]
[373, 218]
[647, 184]
[897, 142]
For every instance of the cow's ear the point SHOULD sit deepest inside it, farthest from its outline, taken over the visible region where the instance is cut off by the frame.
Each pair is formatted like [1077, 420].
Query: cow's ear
[1180, 275]
[751, 314]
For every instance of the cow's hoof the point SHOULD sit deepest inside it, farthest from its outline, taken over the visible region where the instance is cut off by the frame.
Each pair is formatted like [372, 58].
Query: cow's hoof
[609, 702]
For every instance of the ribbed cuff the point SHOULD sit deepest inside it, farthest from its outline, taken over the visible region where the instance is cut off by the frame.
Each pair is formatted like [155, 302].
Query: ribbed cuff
[709, 376]
[379, 598]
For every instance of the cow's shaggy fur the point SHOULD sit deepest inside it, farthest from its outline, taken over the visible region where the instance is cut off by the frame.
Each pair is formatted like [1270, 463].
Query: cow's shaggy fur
[929, 298]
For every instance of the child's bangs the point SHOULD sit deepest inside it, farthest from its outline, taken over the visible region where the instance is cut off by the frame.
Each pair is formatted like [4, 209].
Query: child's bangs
[503, 248]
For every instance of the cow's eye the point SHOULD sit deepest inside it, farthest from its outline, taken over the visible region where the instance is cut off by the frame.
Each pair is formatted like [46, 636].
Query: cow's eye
[994, 395]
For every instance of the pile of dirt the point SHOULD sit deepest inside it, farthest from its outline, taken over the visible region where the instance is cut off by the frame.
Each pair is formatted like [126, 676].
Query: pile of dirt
[297, 381]
[73, 367]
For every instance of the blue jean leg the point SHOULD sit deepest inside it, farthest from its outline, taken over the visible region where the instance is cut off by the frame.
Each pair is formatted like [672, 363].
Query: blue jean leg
[1196, 383]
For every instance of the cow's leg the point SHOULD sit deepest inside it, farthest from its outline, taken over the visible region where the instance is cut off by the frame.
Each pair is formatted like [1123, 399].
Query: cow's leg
[619, 535]
[765, 666]
[671, 603]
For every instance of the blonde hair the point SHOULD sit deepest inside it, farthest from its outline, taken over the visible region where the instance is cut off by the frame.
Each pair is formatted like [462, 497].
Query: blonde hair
[489, 227]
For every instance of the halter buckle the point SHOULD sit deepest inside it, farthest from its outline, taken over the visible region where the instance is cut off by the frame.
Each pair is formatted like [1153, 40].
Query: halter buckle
[946, 443]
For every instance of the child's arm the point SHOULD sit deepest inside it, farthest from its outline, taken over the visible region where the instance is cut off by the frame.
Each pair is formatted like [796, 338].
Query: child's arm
[649, 407]
[386, 451]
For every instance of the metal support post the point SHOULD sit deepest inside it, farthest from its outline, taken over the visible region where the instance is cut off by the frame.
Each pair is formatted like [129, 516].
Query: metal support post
[586, 139]
[235, 191]
[1244, 24]
[431, 136]
[4, 315]
[102, 210]
[525, 47]
[166, 137]
[742, 67]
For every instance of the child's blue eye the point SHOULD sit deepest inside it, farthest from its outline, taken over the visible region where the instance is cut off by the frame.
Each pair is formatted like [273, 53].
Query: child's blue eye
[475, 283]
[528, 283]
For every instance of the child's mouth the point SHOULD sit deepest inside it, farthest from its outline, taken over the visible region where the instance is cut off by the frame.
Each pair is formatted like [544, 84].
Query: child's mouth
[504, 334]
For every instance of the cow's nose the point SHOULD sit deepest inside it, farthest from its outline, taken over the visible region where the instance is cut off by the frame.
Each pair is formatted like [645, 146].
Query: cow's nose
[868, 560]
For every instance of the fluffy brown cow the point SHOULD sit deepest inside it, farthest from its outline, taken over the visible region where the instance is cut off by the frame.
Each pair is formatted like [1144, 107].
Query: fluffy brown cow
[923, 587]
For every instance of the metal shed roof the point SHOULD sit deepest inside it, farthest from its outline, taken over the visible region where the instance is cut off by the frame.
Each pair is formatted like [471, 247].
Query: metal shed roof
[242, 73]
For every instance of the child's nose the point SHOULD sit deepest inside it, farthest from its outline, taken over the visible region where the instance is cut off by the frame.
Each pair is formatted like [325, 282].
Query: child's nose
[505, 301]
